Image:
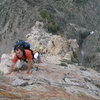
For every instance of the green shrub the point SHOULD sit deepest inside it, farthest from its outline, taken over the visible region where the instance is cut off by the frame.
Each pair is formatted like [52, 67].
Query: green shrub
[53, 27]
[44, 14]
[49, 22]
[98, 49]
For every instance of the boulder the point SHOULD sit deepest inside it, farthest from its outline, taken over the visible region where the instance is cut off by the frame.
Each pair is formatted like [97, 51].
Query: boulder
[57, 45]
[38, 36]
[71, 55]
[5, 62]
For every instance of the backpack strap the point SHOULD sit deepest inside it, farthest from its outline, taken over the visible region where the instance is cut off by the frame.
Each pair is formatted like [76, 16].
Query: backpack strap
[32, 53]
[24, 55]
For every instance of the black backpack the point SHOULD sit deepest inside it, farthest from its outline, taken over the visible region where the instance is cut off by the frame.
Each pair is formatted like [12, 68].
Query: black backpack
[21, 44]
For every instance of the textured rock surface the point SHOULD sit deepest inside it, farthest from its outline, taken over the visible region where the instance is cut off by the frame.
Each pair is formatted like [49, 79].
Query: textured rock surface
[50, 81]
[38, 36]
[5, 62]
[90, 53]
[57, 45]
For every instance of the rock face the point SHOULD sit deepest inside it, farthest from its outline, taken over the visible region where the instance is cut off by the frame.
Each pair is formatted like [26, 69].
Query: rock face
[38, 36]
[57, 45]
[90, 51]
[15, 22]
[51, 82]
